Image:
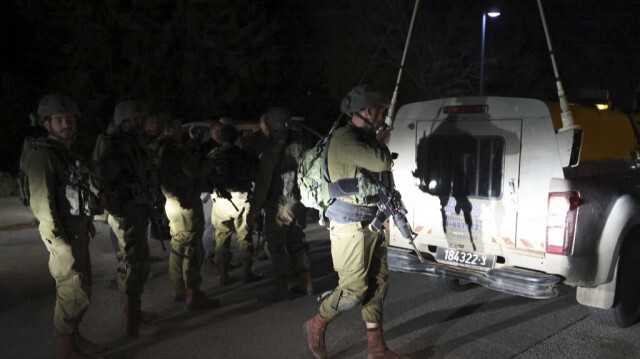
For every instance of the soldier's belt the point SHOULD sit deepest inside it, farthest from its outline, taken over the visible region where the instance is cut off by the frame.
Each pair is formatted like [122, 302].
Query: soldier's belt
[342, 212]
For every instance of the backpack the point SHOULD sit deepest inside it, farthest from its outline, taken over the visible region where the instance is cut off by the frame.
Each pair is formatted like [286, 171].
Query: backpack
[313, 177]
[30, 144]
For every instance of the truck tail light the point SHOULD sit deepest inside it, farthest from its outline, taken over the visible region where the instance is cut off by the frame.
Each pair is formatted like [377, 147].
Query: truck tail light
[561, 221]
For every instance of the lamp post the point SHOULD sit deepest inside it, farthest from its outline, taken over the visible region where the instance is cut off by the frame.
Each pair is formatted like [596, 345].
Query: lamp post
[491, 13]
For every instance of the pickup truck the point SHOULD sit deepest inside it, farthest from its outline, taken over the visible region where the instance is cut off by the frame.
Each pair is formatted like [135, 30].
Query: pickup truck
[498, 194]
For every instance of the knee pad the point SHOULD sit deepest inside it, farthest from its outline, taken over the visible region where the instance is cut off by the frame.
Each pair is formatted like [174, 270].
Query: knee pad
[342, 301]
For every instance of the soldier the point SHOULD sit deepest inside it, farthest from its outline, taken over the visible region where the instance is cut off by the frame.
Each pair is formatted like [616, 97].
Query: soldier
[206, 150]
[60, 197]
[229, 215]
[181, 178]
[359, 254]
[123, 179]
[285, 217]
[159, 228]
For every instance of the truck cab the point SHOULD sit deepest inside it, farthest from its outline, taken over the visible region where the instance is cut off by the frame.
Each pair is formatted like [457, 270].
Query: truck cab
[499, 195]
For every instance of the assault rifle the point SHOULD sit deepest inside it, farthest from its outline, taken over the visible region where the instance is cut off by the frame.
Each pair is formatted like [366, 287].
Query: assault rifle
[88, 201]
[160, 222]
[390, 205]
[223, 193]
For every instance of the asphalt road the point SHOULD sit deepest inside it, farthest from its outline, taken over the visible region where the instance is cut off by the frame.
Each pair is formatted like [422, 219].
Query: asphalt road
[421, 322]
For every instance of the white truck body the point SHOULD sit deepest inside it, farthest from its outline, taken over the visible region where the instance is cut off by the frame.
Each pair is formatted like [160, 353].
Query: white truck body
[493, 201]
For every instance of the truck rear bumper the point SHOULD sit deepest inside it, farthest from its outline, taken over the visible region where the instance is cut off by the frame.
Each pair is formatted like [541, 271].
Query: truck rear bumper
[506, 279]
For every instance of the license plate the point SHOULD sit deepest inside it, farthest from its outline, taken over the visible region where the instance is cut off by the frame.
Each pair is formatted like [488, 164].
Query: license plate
[465, 259]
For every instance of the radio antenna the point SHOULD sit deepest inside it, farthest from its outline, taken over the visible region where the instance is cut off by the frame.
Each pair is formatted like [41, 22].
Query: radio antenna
[390, 115]
[567, 117]
[569, 136]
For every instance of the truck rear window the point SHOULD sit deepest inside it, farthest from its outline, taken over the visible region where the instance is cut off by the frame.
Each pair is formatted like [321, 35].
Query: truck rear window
[464, 165]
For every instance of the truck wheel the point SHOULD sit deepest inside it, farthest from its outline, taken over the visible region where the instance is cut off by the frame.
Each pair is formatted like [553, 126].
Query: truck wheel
[626, 306]
[447, 284]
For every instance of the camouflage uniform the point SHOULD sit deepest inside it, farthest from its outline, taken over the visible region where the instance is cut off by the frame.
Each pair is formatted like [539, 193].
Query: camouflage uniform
[123, 180]
[122, 167]
[64, 227]
[181, 174]
[54, 182]
[285, 216]
[233, 167]
[359, 255]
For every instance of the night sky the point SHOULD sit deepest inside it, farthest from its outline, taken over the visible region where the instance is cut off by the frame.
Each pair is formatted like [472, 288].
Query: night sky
[202, 59]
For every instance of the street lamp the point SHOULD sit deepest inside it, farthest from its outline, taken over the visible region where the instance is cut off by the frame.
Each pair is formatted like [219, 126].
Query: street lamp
[491, 13]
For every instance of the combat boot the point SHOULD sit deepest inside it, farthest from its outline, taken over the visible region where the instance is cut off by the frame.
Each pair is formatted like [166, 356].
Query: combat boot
[132, 317]
[148, 317]
[223, 270]
[377, 348]
[310, 290]
[306, 287]
[197, 300]
[314, 329]
[247, 274]
[179, 291]
[66, 348]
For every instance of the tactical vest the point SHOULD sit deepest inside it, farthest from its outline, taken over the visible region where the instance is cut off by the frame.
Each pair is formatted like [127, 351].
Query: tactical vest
[284, 182]
[82, 197]
[234, 169]
[122, 155]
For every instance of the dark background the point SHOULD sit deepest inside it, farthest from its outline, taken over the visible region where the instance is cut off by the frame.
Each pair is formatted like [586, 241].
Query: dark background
[202, 59]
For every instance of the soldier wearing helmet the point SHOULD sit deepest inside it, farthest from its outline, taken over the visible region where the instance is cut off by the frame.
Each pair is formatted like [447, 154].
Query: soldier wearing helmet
[182, 175]
[359, 254]
[284, 219]
[123, 179]
[57, 189]
[234, 174]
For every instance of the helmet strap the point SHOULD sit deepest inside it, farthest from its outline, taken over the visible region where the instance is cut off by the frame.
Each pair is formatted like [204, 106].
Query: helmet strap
[371, 127]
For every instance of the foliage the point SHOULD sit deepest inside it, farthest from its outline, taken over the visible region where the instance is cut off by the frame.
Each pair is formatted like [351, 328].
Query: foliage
[8, 185]
[202, 58]
[440, 61]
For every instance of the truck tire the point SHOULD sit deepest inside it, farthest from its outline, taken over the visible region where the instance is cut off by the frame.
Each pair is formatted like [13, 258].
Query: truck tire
[626, 306]
[447, 284]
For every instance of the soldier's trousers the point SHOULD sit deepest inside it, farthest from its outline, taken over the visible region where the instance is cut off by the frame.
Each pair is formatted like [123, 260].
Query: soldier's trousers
[187, 252]
[131, 226]
[284, 225]
[70, 266]
[226, 220]
[360, 258]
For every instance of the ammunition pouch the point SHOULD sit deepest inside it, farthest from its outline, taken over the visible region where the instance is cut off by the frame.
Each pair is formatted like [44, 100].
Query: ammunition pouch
[362, 187]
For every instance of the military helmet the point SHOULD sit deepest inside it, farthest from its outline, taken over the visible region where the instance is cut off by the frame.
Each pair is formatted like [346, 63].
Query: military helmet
[56, 104]
[277, 118]
[362, 97]
[228, 134]
[126, 110]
